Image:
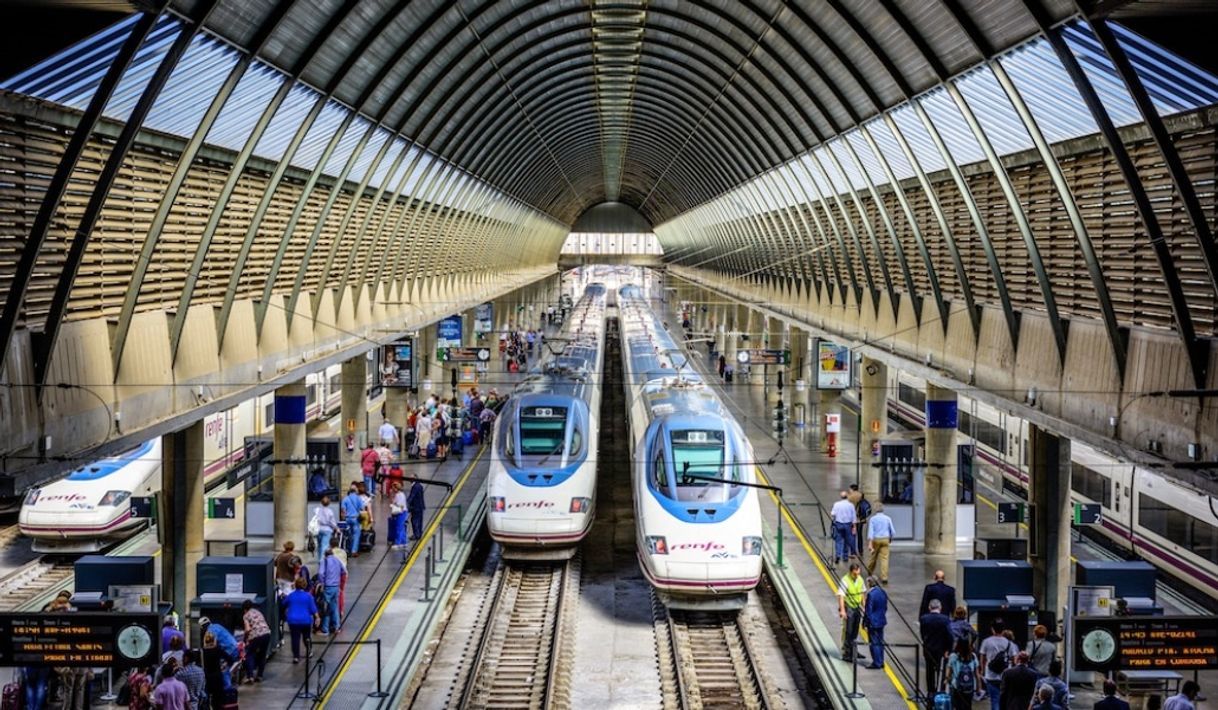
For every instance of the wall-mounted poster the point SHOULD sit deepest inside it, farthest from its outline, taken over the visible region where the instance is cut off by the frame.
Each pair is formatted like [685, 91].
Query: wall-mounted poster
[397, 363]
[832, 366]
[448, 333]
[484, 318]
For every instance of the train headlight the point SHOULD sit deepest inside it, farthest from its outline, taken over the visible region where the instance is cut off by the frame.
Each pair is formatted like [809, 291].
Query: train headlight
[31, 496]
[498, 504]
[751, 545]
[115, 497]
[657, 545]
[580, 505]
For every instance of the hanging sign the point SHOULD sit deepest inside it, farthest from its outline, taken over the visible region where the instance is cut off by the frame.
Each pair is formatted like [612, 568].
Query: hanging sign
[397, 363]
[484, 318]
[448, 334]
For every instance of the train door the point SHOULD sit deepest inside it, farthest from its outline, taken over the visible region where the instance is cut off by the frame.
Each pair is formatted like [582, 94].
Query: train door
[901, 488]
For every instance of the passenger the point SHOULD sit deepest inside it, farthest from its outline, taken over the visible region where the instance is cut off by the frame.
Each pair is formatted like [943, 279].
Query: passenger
[397, 516]
[341, 555]
[169, 631]
[388, 434]
[369, 462]
[961, 628]
[486, 423]
[1018, 684]
[936, 632]
[875, 618]
[996, 654]
[422, 432]
[351, 507]
[257, 642]
[318, 485]
[963, 677]
[35, 681]
[327, 525]
[300, 611]
[332, 574]
[174, 653]
[938, 589]
[844, 519]
[191, 675]
[224, 637]
[415, 505]
[171, 693]
[1042, 699]
[1184, 699]
[1041, 651]
[1053, 681]
[1110, 701]
[284, 574]
[850, 594]
[879, 537]
[862, 511]
[213, 671]
[366, 516]
[139, 689]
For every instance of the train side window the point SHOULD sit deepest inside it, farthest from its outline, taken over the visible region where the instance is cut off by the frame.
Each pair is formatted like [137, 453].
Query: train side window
[1090, 484]
[1196, 536]
[659, 474]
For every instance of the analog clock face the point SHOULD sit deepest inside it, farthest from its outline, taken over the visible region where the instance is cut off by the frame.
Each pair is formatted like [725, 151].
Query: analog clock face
[134, 642]
[1099, 646]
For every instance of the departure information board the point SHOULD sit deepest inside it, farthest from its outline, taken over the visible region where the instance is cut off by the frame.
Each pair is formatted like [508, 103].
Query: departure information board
[95, 640]
[1145, 643]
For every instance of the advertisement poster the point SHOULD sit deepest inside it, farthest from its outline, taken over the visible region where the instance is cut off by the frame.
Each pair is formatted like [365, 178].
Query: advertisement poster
[832, 366]
[484, 318]
[448, 333]
[397, 364]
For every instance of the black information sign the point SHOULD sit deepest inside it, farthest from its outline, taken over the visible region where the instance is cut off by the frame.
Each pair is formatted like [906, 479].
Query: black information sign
[1088, 514]
[221, 508]
[143, 506]
[1145, 643]
[1010, 512]
[81, 639]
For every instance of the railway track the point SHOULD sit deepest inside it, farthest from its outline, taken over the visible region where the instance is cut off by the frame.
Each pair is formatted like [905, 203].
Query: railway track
[520, 660]
[706, 661]
[38, 578]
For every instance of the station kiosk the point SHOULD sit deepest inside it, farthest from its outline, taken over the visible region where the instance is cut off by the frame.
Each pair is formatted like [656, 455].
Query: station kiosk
[998, 589]
[225, 583]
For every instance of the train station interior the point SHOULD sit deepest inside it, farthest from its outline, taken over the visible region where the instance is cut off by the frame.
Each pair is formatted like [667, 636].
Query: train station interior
[838, 354]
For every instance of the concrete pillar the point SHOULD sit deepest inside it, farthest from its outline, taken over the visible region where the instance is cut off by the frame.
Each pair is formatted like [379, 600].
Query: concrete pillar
[1049, 469]
[397, 402]
[354, 414]
[291, 479]
[940, 481]
[182, 513]
[873, 397]
[801, 368]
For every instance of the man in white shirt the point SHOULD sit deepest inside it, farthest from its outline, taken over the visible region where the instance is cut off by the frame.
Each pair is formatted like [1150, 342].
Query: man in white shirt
[844, 521]
[879, 536]
[1184, 700]
[389, 434]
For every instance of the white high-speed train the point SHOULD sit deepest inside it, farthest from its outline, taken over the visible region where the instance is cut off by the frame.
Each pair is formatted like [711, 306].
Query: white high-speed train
[542, 480]
[698, 541]
[1147, 514]
[88, 510]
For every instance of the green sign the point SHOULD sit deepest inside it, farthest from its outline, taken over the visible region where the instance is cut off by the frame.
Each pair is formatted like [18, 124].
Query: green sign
[1011, 513]
[1088, 514]
[220, 508]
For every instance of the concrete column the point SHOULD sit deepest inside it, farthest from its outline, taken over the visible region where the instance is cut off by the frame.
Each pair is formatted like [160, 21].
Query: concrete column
[801, 368]
[291, 479]
[874, 399]
[181, 514]
[397, 402]
[940, 480]
[1049, 470]
[354, 414]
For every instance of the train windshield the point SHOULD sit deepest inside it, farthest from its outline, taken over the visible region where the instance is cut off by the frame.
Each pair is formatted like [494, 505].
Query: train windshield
[698, 455]
[543, 430]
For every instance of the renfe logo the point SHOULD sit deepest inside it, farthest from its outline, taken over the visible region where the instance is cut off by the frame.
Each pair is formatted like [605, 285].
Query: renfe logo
[65, 497]
[535, 504]
[703, 546]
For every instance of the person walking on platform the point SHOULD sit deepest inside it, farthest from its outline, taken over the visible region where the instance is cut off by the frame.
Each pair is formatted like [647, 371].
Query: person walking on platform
[1041, 651]
[257, 641]
[331, 574]
[1110, 701]
[327, 525]
[300, 611]
[879, 536]
[388, 434]
[862, 511]
[936, 631]
[397, 516]
[1018, 685]
[962, 678]
[938, 589]
[415, 505]
[875, 618]
[844, 520]
[352, 506]
[996, 654]
[850, 594]
[369, 462]
[284, 574]
[1185, 699]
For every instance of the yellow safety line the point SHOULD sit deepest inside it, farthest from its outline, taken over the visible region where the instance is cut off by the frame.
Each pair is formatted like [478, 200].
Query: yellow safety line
[824, 573]
[397, 582]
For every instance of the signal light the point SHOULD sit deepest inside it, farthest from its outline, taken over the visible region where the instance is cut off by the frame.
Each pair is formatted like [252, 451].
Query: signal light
[751, 545]
[657, 545]
[498, 504]
[580, 505]
[115, 497]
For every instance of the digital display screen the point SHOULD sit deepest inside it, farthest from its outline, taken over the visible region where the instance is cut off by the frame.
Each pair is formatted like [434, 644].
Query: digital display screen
[85, 639]
[1146, 643]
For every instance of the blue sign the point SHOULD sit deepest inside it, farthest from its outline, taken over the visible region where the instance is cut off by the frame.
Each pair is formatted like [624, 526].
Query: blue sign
[448, 333]
[941, 415]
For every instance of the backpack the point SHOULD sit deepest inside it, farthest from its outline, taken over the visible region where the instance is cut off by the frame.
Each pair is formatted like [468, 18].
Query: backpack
[964, 676]
[864, 509]
[998, 663]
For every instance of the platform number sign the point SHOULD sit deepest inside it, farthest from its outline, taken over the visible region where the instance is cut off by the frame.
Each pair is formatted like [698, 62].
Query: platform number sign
[1010, 513]
[143, 507]
[1088, 514]
[220, 508]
